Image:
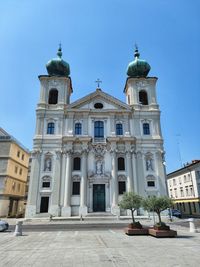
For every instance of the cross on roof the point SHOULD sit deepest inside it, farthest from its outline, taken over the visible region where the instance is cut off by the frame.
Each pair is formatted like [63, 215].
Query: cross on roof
[98, 82]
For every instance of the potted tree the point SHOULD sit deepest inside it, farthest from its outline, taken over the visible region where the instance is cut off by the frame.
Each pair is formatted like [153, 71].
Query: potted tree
[158, 204]
[131, 201]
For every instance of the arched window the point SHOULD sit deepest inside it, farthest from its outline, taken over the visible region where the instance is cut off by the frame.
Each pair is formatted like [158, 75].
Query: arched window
[53, 96]
[146, 128]
[78, 128]
[121, 164]
[119, 129]
[143, 98]
[98, 129]
[77, 164]
[50, 128]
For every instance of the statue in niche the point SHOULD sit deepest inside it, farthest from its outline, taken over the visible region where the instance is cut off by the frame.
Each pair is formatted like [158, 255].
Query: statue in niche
[149, 164]
[99, 167]
[47, 164]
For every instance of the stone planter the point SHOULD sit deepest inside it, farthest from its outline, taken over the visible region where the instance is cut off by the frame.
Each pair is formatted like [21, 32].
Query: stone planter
[136, 229]
[160, 232]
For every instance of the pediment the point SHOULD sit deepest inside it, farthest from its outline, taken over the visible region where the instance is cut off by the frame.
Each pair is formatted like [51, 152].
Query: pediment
[108, 102]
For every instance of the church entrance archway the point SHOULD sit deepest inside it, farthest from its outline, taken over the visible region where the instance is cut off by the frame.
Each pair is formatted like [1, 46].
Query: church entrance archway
[99, 197]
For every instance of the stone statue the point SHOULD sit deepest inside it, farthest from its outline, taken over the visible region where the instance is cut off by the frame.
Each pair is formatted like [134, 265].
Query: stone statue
[99, 167]
[149, 164]
[47, 165]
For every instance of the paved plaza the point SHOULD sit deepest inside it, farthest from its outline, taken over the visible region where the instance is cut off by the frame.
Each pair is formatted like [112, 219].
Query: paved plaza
[109, 247]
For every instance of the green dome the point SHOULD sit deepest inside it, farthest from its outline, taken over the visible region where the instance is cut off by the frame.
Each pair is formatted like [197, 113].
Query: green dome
[138, 67]
[57, 66]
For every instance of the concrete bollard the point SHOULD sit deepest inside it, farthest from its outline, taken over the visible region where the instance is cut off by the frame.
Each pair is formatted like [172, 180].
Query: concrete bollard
[192, 225]
[18, 228]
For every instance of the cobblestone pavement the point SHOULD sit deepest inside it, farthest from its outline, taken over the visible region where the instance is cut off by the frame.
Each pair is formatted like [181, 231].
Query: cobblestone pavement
[98, 248]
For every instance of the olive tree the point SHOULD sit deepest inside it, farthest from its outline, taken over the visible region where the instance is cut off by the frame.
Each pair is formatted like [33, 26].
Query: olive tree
[131, 201]
[157, 204]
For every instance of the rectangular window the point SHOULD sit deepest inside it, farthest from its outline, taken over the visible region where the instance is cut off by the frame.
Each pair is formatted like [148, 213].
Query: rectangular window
[180, 181]
[20, 171]
[16, 169]
[174, 181]
[194, 207]
[76, 188]
[175, 192]
[146, 129]
[119, 129]
[122, 187]
[18, 154]
[78, 128]
[46, 184]
[50, 128]
[181, 192]
[22, 156]
[151, 183]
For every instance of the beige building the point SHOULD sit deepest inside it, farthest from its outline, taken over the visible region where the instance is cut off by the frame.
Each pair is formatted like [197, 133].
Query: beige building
[14, 159]
[184, 188]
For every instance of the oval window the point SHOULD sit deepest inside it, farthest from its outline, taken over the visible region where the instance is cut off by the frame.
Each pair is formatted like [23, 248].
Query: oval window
[98, 105]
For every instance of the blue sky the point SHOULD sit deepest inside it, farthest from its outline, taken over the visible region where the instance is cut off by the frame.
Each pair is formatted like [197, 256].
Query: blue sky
[98, 40]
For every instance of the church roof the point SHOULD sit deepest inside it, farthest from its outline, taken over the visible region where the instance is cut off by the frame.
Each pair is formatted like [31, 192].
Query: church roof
[99, 94]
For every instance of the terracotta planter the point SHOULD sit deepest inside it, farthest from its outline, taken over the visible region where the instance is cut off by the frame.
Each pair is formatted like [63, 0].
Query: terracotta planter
[162, 233]
[136, 229]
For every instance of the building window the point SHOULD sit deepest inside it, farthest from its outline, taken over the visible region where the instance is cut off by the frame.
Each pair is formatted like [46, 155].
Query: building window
[150, 183]
[129, 99]
[181, 191]
[18, 187]
[171, 195]
[143, 99]
[50, 128]
[18, 154]
[146, 128]
[186, 190]
[174, 181]
[98, 105]
[13, 185]
[121, 164]
[122, 187]
[77, 164]
[191, 191]
[185, 180]
[78, 128]
[99, 129]
[53, 96]
[175, 192]
[20, 171]
[45, 184]
[16, 169]
[76, 188]
[119, 129]
[194, 207]
[22, 156]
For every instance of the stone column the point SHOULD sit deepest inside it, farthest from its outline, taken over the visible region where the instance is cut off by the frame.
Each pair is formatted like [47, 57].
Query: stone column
[129, 172]
[63, 171]
[140, 174]
[33, 185]
[55, 207]
[114, 185]
[66, 210]
[112, 125]
[83, 191]
[135, 182]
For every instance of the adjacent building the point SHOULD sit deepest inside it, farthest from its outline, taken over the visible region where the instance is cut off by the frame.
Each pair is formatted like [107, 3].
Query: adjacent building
[87, 153]
[184, 188]
[14, 159]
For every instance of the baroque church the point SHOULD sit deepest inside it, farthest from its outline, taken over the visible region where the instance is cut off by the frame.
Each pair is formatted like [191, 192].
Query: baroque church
[87, 153]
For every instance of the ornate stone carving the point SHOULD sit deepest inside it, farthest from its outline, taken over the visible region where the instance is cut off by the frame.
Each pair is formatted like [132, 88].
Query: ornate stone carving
[121, 178]
[149, 162]
[76, 178]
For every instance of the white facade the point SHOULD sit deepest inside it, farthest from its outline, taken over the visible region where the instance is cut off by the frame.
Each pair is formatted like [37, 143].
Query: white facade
[184, 188]
[119, 146]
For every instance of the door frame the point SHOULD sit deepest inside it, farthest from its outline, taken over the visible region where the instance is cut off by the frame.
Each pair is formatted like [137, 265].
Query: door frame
[104, 186]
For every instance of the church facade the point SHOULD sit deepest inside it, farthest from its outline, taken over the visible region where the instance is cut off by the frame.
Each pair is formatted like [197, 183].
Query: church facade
[86, 154]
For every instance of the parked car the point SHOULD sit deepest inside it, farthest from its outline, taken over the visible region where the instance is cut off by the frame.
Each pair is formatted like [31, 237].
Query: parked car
[176, 213]
[3, 226]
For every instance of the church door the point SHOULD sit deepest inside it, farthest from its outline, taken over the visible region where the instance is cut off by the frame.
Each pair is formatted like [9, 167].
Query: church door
[98, 197]
[44, 205]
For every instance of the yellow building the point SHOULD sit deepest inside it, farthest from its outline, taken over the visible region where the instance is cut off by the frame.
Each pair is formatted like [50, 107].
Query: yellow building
[14, 160]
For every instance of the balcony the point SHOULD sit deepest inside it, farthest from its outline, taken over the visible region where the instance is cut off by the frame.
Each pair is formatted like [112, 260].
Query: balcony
[99, 140]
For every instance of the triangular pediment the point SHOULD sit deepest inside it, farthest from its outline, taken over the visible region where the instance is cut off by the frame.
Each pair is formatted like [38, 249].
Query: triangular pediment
[109, 102]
